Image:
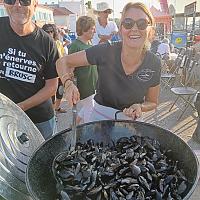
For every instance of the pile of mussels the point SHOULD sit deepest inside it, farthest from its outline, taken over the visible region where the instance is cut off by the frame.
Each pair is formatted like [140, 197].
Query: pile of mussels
[133, 168]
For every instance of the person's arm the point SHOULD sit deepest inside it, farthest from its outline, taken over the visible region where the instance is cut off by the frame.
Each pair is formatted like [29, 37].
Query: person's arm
[150, 103]
[42, 95]
[65, 67]
[114, 30]
[68, 62]
[66, 43]
[151, 99]
[104, 38]
[168, 50]
[67, 40]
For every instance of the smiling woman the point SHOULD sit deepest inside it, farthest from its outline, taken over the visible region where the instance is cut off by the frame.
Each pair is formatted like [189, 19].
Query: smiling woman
[128, 74]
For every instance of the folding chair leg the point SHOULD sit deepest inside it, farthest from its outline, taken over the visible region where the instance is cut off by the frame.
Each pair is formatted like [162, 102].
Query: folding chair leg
[173, 104]
[156, 116]
[186, 106]
[168, 83]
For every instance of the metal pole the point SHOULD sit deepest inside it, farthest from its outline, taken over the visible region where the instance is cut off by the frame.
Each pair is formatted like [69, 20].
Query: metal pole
[113, 11]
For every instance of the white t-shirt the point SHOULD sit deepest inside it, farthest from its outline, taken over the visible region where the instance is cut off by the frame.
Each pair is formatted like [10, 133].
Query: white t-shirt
[163, 49]
[100, 30]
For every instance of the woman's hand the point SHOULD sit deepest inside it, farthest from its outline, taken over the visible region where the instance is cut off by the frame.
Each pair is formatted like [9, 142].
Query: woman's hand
[134, 111]
[71, 94]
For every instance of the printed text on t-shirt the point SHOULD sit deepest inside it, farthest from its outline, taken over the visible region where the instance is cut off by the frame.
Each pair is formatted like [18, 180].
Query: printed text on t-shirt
[15, 65]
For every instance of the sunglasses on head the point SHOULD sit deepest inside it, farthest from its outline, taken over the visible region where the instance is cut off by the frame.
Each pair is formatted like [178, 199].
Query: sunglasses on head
[22, 2]
[129, 23]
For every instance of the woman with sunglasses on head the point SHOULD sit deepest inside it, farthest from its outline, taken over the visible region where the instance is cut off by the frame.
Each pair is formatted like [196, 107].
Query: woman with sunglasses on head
[27, 64]
[52, 30]
[128, 74]
[105, 29]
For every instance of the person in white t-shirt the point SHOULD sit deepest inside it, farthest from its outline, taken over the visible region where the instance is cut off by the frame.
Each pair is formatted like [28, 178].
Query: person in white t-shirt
[164, 49]
[105, 29]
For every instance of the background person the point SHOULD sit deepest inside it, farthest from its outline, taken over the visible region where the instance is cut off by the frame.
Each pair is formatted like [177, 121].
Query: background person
[87, 76]
[27, 64]
[196, 47]
[105, 29]
[164, 49]
[128, 74]
[52, 31]
[65, 39]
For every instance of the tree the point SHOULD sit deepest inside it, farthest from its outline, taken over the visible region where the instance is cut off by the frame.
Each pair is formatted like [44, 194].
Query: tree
[89, 4]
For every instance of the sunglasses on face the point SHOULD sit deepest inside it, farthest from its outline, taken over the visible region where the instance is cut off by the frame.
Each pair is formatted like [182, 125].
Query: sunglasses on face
[49, 32]
[129, 23]
[22, 2]
[107, 11]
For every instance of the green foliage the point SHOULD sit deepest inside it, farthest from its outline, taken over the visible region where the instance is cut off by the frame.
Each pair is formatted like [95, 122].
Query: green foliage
[89, 4]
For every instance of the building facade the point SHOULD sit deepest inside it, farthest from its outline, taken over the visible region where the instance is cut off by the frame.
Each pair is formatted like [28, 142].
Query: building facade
[77, 7]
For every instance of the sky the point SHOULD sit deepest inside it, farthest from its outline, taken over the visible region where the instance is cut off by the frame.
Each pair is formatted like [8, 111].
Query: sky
[119, 4]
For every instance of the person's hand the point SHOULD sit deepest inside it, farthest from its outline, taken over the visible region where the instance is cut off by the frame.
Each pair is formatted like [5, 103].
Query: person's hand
[21, 105]
[134, 111]
[71, 94]
[104, 38]
[113, 33]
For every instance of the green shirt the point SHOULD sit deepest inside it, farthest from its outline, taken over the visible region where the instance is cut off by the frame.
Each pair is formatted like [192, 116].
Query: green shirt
[86, 76]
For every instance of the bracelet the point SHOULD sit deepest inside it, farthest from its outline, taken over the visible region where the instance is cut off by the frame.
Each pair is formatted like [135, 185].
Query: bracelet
[68, 79]
[65, 88]
[69, 76]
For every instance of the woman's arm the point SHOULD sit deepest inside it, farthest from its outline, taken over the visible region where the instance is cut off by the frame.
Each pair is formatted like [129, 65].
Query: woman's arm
[151, 99]
[66, 63]
[65, 66]
[150, 103]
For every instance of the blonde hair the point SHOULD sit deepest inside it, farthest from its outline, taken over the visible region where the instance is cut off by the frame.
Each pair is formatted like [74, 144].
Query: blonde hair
[83, 24]
[140, 6]
[143, 7]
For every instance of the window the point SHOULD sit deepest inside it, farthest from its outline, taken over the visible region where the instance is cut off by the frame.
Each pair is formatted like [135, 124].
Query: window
[2, 12]
[50, 17]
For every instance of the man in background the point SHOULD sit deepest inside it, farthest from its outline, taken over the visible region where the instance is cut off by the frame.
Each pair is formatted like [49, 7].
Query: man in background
[52, 30]
[164, 48]
[105, 29]
[65, 39]
[27, 64]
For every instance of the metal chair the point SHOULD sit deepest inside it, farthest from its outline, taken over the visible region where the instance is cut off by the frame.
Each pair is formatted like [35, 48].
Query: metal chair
[187, 89]
[168, 75]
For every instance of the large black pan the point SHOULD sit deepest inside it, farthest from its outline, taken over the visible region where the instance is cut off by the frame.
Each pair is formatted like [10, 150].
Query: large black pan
[39, 177]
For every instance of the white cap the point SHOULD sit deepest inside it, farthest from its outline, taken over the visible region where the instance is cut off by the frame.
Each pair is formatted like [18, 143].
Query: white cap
[103, 6]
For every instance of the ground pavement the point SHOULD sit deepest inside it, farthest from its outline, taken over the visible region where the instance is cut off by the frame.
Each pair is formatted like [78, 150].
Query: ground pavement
[184, 127]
